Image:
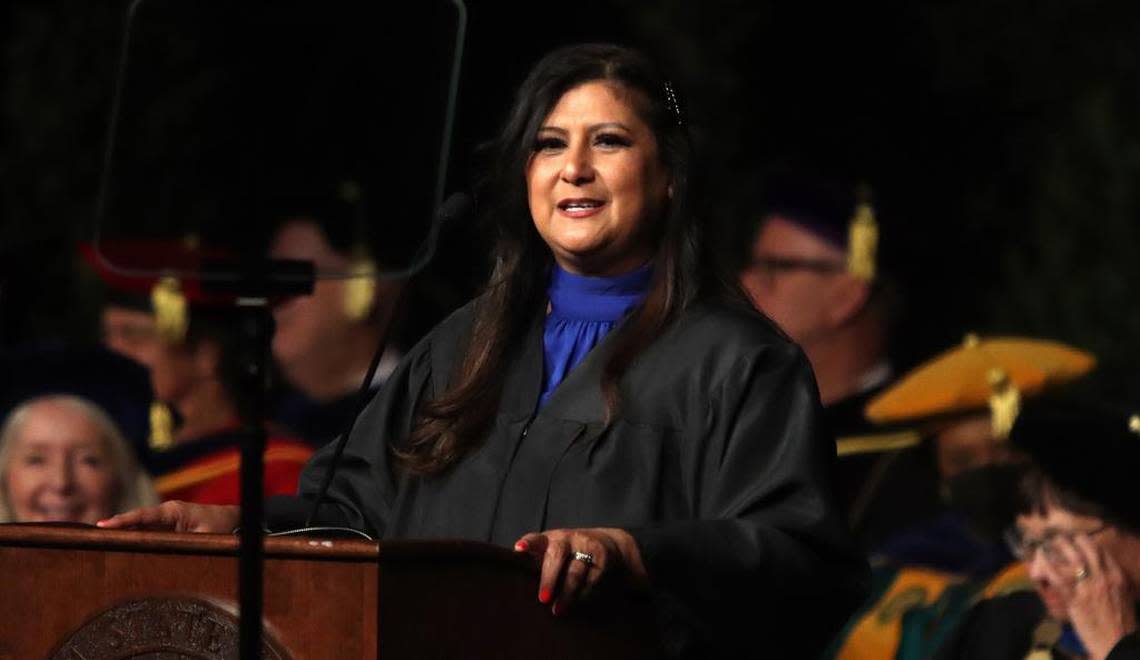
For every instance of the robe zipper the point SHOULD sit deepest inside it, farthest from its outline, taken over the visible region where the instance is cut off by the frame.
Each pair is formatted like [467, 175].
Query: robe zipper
[503, 481]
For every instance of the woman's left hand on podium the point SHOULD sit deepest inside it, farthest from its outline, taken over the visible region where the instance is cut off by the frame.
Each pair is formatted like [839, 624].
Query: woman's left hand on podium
[574, 561]
[175, 516]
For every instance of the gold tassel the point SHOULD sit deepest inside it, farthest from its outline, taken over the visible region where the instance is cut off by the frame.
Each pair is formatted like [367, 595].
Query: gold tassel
[1134, 424]
[863, 239]
[161, 427]
[1045, 637]
[360, 288]
[852, 445]
[1005, 403]
[169, 310]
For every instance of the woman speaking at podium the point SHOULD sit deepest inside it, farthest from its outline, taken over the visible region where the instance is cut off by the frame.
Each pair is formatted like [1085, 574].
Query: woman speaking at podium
[609, 404]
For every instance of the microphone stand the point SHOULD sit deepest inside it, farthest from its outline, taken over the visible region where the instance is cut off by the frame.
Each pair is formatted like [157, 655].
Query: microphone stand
[252, 287]
[256, 329]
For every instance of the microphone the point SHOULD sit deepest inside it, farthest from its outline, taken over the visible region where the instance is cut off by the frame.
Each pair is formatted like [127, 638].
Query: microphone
[456, 207]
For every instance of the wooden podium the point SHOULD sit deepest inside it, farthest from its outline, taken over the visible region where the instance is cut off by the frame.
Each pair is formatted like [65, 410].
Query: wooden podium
[89, 594]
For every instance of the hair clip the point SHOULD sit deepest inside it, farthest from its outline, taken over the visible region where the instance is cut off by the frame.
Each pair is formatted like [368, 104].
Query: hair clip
[671, 101]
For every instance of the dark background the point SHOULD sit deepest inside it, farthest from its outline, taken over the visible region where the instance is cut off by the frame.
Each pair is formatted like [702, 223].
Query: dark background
[1002, 138]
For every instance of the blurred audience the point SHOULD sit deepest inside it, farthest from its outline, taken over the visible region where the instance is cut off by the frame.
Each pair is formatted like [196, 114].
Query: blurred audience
[324, 342]
[127, 326]
[322, 345]
[202, 378]
[1078, 533]
[813, 267]
[63, 459]
[963, 402]
[190, 341]
[799, 275]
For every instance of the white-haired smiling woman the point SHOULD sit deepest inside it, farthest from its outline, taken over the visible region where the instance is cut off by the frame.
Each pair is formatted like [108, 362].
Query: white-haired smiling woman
[62, 459]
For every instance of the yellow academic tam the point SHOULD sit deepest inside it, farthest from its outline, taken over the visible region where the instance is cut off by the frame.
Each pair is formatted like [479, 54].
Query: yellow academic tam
[977, 375]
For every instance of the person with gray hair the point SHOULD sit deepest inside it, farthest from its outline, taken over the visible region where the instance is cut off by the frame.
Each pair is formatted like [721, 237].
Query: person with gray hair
[62, 459]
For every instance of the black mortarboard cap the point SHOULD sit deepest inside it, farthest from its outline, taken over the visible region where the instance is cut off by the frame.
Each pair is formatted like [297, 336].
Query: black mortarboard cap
[1090, 450]
[820, 206]
[116, 384]
[335, 204]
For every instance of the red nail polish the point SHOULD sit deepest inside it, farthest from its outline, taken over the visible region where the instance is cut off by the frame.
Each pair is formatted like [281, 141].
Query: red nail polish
[521, 546]
[544, 596]
[556, 610]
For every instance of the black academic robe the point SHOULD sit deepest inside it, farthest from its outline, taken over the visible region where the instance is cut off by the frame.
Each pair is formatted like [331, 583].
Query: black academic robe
[1003, 629]
[882, 493]
[717, 465]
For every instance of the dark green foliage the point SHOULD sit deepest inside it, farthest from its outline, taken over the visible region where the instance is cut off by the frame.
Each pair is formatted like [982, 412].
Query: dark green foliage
[1003, 139]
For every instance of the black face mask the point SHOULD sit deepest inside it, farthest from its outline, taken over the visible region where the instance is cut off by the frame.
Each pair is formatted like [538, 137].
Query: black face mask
[986, 497]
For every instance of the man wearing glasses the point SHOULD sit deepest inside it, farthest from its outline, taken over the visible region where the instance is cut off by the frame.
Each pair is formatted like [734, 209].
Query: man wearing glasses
[800, 273]
[799, 276]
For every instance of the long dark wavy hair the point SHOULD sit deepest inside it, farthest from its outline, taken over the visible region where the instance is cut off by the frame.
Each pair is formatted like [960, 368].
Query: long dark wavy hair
[449, 426]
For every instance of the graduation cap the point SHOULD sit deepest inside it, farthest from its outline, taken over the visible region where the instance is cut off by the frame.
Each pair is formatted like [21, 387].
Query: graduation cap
[1090, 450]
[178, 275]
[981, 374]
[842, 216]
[339, 207]
[336, 204]
[115, 383]
[185, 279]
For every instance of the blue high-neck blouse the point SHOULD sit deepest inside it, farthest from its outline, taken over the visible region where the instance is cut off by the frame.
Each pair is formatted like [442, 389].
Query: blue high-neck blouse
[582, 311]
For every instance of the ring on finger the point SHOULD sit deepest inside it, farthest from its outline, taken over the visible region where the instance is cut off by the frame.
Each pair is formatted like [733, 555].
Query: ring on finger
[584, 557]
[1081, 574]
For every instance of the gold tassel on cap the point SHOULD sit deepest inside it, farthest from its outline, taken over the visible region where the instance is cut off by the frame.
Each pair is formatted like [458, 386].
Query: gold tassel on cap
[1134, 424]
[1005, 403]
[161, 427]
[169, 310]
[360, 288]
[863, 238]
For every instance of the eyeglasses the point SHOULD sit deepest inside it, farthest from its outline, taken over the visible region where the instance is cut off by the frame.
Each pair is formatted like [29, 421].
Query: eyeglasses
[780, 264]
[1026, 548]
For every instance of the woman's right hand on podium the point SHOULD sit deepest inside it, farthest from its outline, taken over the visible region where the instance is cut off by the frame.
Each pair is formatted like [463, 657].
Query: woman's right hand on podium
[178, 516]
